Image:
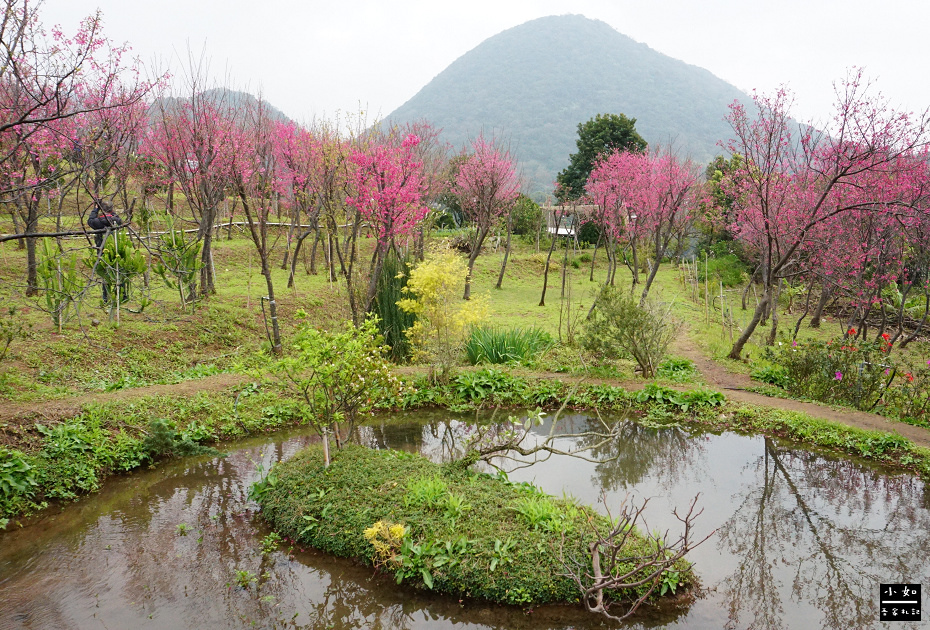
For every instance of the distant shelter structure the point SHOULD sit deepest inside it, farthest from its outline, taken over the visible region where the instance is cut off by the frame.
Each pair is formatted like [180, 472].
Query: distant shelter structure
[564, 220]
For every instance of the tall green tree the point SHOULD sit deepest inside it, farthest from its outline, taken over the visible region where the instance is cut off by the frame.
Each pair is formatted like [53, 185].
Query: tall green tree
[602, 134]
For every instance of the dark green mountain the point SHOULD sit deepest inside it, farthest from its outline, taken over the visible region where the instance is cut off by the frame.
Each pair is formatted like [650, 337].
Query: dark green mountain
[532, 85]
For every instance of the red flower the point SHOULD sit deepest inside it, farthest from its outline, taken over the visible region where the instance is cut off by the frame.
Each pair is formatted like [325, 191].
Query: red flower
[910, 377]
[851, 331]
[885, 336]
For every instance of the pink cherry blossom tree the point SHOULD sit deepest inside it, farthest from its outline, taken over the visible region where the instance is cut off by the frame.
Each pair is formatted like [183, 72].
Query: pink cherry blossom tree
[868, 158]
[487, 187]
[255, 178]
[191, 138]
[387, 192]
[48, 81]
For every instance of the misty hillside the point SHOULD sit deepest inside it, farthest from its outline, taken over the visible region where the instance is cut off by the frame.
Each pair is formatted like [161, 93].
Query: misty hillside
[532, 85]
[237, 100]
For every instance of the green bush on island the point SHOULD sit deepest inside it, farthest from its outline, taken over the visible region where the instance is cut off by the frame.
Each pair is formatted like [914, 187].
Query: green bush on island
[443, 527]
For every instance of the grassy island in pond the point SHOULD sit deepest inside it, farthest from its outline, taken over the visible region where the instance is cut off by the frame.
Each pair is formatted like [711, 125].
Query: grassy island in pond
[453, 530]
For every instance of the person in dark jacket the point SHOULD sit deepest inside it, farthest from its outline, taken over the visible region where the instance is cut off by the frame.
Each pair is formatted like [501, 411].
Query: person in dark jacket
[102, 217]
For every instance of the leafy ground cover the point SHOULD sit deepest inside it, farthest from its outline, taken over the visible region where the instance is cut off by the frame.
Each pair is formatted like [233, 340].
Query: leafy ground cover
[444, 528]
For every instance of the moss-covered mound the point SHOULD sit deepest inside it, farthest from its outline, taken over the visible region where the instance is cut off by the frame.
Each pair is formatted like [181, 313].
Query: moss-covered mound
[443, 527]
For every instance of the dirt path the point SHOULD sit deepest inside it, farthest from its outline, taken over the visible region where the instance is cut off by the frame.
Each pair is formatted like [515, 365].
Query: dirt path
[734, 386]
[57, 410]
[717, 376]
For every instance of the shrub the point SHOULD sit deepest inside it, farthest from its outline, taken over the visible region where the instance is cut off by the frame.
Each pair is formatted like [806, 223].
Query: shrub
[620, 327]
[588, 233]
[333, 375]
[525, 216]
[164, 440]
[179, 260]
[117, 264]
[11, 327]
[850, 372]
[488, 344]
[393, 321]
[434, 292]
[910, 400]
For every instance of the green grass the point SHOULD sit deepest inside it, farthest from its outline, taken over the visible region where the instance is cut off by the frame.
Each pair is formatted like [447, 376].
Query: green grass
[501, 543]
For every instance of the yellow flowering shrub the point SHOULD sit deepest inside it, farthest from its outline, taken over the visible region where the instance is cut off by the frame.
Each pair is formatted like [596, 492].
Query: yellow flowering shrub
[434, 292]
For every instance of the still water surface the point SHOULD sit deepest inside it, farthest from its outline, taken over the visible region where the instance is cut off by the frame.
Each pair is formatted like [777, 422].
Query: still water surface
[802, 541]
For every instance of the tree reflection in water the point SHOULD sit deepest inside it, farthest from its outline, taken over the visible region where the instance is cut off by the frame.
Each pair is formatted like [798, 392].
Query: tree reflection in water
[804, 540]
[842, 528]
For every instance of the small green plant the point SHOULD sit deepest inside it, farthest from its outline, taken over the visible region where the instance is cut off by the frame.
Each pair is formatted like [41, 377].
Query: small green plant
[454, 506]
[681, 401]
[502, 553]
[178, 261]
[182, 529]
[486, 344]
[414, 560]
[773, 375]
[18, 483]
[61, 283]
[670, 581]
[270, 543]
[538, 511]
[426, 491]
[265, 483]
[244, 578]
[487, 384]
[678, 370]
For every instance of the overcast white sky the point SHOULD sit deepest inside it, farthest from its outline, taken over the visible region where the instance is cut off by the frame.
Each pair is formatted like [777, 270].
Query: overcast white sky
[319, 57]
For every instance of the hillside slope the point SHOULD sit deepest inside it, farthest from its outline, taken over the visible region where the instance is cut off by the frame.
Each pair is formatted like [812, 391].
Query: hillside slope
[532, 85]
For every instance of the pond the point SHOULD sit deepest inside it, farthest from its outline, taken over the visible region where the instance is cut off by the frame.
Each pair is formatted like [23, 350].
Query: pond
[802, 541]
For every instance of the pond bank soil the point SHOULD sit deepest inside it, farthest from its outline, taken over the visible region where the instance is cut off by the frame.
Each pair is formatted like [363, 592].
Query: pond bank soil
[25, 413]
[734, 385]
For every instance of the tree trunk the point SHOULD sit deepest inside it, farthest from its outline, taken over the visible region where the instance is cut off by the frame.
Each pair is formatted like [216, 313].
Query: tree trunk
[774, 311]
[635, 263]
[555, 238]
[206, 268]
[294, 259]
[737, 349]
[482, 233]
[818, 312]
[500, 278]
[272, 307]
[32, 268]
[600, 236]
[316, 242]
